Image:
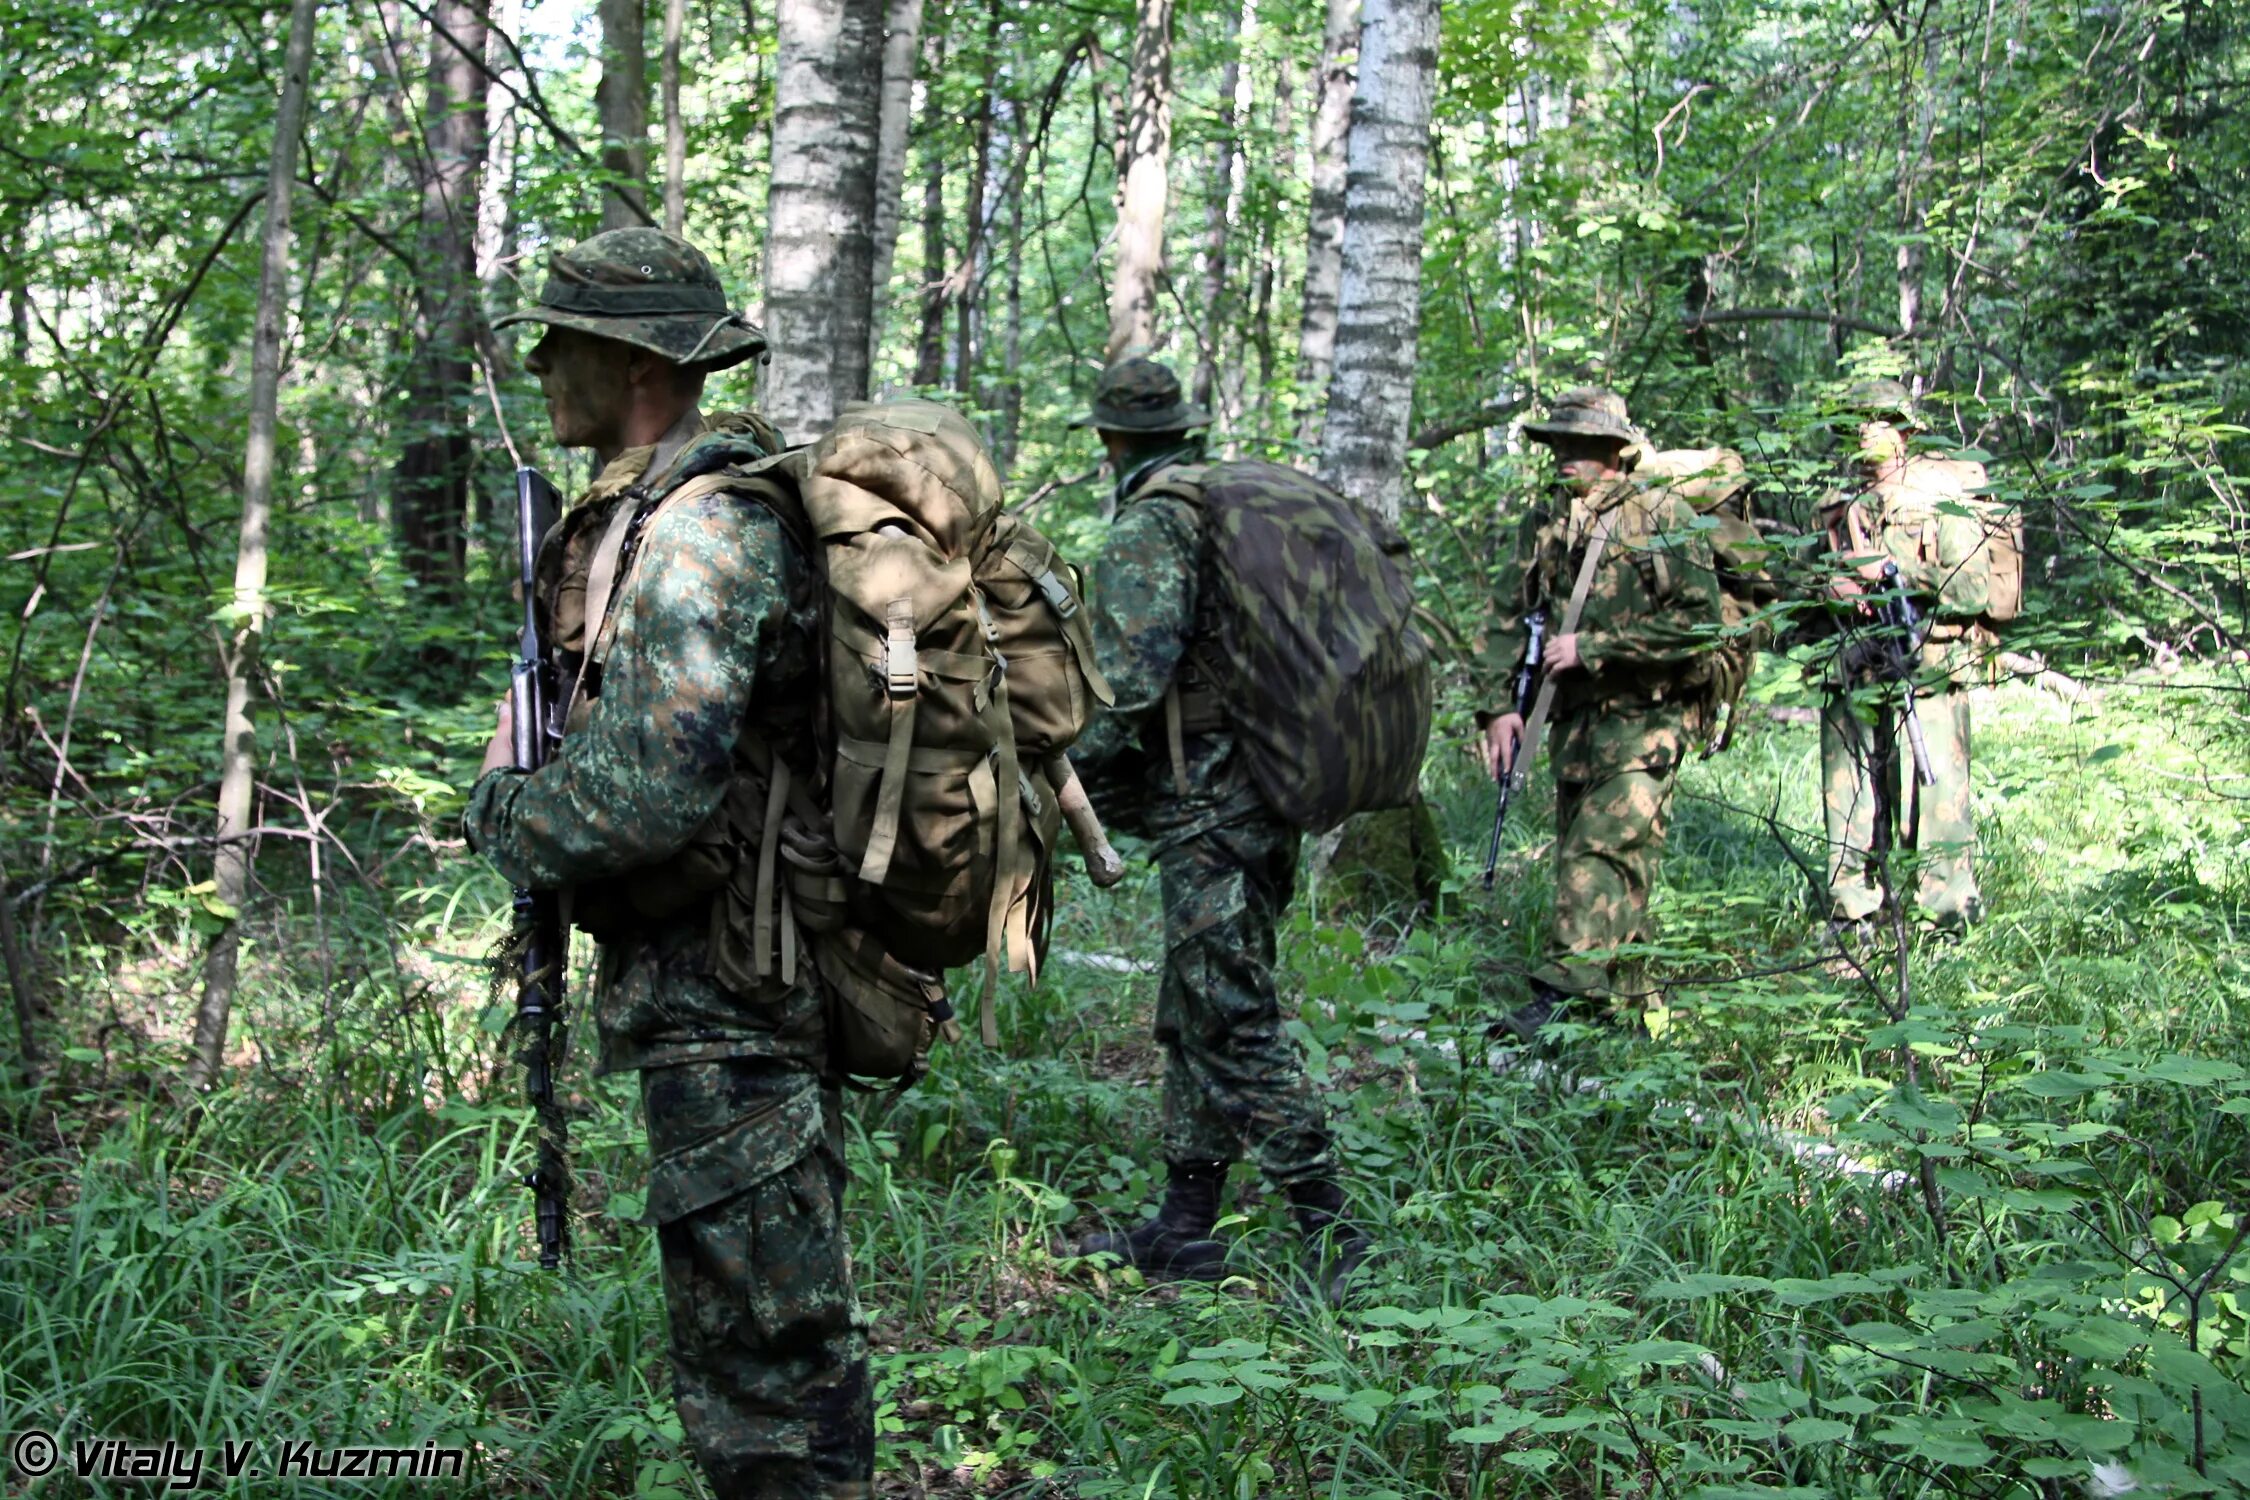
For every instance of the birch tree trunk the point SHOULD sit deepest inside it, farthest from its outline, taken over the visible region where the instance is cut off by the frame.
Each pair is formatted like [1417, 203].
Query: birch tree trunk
[1221, 207]
[820, 214]
[902, 38]
[1324, 235]
[430, 490]
[621, 99]
[238, 752]
[675, 124]
[974, 212]
[1143, 161]
[1371, 394]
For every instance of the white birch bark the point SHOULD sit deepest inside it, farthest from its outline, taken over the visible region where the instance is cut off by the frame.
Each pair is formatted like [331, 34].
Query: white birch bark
[1144, 160]
[238, 750]
[1371, 393]
[902, 40]
[1324, 235]
[820, 213]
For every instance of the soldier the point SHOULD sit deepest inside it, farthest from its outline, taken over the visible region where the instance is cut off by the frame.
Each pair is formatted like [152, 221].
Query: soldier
[1871, 793]
[713, 644]
[1627, 681]
[1233, 1076]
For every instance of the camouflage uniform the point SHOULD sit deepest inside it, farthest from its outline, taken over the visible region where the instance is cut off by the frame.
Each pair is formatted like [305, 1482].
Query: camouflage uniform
[1622, 718]
[1870, 793]
[714, 635]
[1228, 864]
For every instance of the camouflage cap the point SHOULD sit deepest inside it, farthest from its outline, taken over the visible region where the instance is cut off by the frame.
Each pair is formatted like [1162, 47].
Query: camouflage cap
[1585, 411]
[1885, 399]
[649, 289]
[1140, 395]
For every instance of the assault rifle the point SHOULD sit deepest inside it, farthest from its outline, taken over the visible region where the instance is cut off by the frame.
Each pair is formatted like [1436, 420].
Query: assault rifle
[1509, 776]
[1901, 633]
[535, 700]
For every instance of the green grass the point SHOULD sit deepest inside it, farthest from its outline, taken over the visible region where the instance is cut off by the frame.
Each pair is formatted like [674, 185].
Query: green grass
[1625, 1275]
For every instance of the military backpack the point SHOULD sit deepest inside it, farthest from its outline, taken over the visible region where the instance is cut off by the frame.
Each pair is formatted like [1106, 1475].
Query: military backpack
[1309, 651]
[1716, 484]
[957, 668]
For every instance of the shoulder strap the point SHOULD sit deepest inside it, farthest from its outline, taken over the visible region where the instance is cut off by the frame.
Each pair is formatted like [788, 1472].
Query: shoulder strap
[1543, 706]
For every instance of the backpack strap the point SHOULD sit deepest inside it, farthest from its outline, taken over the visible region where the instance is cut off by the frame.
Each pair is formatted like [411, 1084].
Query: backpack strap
[1535, 728]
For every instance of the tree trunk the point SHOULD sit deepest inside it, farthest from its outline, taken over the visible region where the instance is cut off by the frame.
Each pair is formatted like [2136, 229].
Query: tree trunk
[902, 37]
[1222, 206]
[1011, 387]
[675, 124]
[973, 212]
[430, 492]
[1371, 395]
[929, 347]
[820, 215]
[1143, 160]
[621, 99]
[239, 744]
[1324, 236]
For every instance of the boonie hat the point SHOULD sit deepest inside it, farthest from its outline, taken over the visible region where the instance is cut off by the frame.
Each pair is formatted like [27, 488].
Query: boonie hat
[1585, 411]
[649, 289]
[1887, 399]
[1140, 395]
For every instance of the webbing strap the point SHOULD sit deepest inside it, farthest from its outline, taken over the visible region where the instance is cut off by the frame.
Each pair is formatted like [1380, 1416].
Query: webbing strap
[902, 681]
[769, 847]
[1535, 729]
[876, 754]
[1175, 739]
[1005, 868]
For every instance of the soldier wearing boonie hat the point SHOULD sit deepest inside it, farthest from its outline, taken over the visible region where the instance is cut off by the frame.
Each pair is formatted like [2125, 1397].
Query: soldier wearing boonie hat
[1619, 732]
[710, 639]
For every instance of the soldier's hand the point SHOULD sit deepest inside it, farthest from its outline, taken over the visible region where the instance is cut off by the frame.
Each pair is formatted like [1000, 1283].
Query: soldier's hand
[1501, 737]
[1561, 654]
[1846, 590]
[501, 751]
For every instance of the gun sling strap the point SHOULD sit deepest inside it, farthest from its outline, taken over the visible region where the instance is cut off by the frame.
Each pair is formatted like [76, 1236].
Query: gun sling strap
[1542, 707]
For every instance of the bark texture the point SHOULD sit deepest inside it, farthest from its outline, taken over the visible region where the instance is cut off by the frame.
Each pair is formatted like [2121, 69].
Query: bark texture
[1371, 393]
[902, 39]
[238, 756]
[675, 123]
[1143, 166]
[1222, 206]
[1324, 236]
[621, 99]
[430, 487]
[820, 218]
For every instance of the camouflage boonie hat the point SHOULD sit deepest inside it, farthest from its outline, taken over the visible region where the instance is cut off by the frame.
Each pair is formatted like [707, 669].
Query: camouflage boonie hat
[1585, 411]
[649, 289]
[1140, 395]
[1885, 399]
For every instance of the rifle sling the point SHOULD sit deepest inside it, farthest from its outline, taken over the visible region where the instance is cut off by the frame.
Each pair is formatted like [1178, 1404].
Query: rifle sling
[1535, 728]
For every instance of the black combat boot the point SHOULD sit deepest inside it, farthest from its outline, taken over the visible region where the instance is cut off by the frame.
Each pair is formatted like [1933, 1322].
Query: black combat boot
[1333, 1248]
[1177, 1242]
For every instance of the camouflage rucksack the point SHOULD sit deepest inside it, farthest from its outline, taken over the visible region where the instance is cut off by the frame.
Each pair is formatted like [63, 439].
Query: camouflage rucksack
[1715, 482]
[1962, 481]
[958, 669]
[1312, 655]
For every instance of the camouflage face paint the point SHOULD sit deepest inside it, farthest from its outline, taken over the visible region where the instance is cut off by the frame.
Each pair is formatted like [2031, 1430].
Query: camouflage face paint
[584, 379]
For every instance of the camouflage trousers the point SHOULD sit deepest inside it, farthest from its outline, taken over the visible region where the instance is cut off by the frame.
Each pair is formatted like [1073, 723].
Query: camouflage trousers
[1871, 797]
[1609, 845]
[1232, 1076]
[769, 1352]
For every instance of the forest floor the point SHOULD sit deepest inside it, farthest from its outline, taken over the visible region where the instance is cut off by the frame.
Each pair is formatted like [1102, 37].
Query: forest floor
[1841, 1225]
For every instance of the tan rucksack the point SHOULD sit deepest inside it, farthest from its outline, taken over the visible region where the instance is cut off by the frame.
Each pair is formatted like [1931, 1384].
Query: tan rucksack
[1717, 484]
[959, 667]
[1961, 481]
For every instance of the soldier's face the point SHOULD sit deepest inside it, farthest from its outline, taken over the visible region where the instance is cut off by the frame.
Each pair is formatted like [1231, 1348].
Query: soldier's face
[588, 386]
[1880, 442]
[1584, 462]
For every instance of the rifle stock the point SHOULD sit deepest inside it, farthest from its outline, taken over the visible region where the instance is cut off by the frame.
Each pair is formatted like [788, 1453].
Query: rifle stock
[539, 919]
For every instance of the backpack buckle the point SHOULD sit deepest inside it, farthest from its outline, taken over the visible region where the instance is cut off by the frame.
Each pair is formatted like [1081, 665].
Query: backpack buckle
[901, 675]
[1059, 597]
